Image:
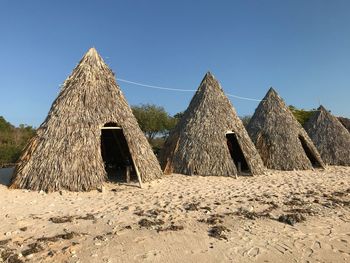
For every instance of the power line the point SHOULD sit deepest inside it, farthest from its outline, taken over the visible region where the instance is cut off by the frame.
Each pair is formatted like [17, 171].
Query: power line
[154, 87]
[181, 90]
[242, 98]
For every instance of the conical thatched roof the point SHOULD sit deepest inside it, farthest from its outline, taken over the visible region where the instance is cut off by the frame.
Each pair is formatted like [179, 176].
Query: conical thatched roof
[330, 137]
[198, 144]
[280, 139]
[66, 151]
[345, 122]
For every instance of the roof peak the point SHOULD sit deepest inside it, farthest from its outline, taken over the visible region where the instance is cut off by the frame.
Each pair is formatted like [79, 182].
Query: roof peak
[92, 52]
[322, 108]
[272, 91]
[208, 75]
[209, 79]
[271, 94]
[92, 57]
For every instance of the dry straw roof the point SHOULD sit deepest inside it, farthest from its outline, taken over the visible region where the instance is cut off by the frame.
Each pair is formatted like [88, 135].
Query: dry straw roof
[280, 139]
[66, 151]
[330, 137]
[345, 122]
[198, 144]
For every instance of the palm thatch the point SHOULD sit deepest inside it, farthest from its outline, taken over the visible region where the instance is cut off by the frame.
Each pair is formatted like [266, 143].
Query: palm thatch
[330, 137]
[199, 144]
[66, 151]
[345, 122]
[280, 139]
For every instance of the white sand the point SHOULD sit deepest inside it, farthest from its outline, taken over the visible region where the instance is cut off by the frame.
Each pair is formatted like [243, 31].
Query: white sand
[323, 237]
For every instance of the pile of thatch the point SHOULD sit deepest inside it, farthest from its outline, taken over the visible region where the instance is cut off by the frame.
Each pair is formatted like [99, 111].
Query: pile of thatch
[345, 122]
[281, 141]
[66, 151]
[330, 137]
[198, 144]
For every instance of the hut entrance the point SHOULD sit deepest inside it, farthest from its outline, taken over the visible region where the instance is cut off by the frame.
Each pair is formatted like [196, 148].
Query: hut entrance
[116, 155]
[237, 154]
[309, 153]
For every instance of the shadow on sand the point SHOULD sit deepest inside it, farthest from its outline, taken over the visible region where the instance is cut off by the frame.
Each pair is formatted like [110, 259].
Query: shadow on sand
[5, 176]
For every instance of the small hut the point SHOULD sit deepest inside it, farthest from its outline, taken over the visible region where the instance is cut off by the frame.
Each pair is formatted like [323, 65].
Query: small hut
[330, 137]
[90, 135]
[345, 122]
[210, 139]
[280, 139]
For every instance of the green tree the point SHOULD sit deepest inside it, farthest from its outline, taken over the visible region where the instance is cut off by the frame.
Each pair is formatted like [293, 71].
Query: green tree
[300, 114]
[13, 140]
[179, 115]
[153, 120]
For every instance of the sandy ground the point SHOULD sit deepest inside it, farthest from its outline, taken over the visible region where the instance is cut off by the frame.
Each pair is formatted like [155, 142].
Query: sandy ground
[184, 219]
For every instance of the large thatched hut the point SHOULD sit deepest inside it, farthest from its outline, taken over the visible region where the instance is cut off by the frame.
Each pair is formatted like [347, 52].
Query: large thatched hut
[330, 137]
[210, 139]
[89, 135]
[280, 139]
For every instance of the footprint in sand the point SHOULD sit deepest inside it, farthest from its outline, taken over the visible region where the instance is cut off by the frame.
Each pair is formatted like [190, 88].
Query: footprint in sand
[309, 252]
[298, 243]
[282, 248]
[139, 240]
[317, 245]
[252, 252]
[149, 256]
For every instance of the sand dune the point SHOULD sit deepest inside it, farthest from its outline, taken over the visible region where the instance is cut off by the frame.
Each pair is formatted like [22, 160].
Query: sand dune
[185, 219]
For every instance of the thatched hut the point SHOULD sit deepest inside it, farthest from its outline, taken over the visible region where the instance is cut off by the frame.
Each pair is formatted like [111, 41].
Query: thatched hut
[345, 122]
[210, 139]
[330, 137]
[280, 139]
[89, 135]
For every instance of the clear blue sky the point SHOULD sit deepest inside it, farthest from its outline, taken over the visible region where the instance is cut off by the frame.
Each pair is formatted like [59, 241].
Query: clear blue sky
[301, 48]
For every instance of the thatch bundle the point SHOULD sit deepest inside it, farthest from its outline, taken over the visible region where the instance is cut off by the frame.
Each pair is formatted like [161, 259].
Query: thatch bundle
[66, 151]
[345, 122]
[280, 139]
[199, 146]
[330, 137]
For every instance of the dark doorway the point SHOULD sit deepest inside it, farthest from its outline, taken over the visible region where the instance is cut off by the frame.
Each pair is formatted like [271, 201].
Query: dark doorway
[116, 155]
[310, 155]
[237, 154]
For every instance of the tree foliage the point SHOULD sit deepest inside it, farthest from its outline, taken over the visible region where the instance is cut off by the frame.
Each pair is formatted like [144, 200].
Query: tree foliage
[178, 116]
[153, 120]
[246, 119]
[300, 114]
[13, 140]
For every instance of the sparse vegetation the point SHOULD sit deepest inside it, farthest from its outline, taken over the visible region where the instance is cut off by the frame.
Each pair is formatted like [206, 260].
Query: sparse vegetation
[13, 140]
[301, 115]
[153, 120]
[156, 123]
